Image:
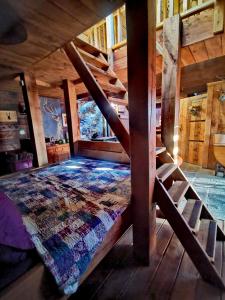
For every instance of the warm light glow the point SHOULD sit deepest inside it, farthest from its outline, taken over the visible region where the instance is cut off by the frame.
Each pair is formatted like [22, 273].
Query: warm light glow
[73, 167]
[175, 151]
[176, 138]
[104, 169]
[176, 161]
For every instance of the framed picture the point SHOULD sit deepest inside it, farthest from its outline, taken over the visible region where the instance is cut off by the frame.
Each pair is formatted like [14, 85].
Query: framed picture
[8, 116]
[64, 120]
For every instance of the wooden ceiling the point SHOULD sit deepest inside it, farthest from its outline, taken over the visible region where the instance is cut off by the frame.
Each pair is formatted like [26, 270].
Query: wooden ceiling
[49, 25]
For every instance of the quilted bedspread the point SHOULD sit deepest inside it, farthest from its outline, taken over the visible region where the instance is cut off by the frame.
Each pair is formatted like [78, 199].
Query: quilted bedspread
[67, 210]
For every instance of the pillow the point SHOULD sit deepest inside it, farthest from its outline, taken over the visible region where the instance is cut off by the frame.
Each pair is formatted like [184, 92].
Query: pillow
[13, 233]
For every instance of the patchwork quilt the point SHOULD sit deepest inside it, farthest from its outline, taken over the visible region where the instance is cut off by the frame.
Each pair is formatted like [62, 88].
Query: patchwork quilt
[67, 210]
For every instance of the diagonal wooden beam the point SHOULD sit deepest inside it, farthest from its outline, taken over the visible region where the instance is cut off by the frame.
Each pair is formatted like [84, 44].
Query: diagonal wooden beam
[98, 95]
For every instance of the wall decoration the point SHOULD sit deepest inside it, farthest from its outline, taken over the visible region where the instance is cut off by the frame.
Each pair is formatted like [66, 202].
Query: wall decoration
[52, 118]
[91, 119]
[8, 116]
[64, 120]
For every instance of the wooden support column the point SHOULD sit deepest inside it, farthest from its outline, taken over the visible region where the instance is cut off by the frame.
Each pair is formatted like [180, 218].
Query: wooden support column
[110, 38]
[70, 99]
[34, 117]
[99, 96]
[141, 47]
[219, 15]
[171, 84]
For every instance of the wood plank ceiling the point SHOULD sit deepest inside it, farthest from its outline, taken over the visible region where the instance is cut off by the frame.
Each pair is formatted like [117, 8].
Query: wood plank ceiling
[49, 25]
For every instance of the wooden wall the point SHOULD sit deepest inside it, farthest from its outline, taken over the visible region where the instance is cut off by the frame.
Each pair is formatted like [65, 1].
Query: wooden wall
[103, 150]
[192, 129]
[197, 130]
[217, 124]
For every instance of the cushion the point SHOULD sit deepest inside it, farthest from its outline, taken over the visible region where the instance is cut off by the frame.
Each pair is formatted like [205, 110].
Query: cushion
[13, 232]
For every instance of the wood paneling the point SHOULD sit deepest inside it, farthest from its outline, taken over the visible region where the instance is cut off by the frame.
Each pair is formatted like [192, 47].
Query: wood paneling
[197, 131]
[141, 39]
[112, 151]
[199, 51]
[214, 46]
[217, 117]
[193, 129]
[49, 25]
[195, 153]
[197, 27]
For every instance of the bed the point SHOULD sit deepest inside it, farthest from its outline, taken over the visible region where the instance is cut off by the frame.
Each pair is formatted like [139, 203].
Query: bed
[74, 212]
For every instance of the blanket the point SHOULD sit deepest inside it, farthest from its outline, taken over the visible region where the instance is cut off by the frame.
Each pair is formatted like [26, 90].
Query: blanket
[68, 209]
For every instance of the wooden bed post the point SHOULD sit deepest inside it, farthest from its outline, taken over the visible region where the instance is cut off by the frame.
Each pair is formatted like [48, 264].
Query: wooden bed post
[171, 84]
[141, 46]
[34, 117]
[70, 98]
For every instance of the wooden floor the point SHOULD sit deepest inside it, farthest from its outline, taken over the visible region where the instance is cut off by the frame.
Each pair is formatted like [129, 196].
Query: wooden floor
[170, 276]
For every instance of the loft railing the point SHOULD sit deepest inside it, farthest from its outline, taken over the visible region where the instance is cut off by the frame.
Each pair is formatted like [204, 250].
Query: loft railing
[98, 35]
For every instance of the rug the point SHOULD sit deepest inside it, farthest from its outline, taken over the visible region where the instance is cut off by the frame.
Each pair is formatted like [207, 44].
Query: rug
[211, 189]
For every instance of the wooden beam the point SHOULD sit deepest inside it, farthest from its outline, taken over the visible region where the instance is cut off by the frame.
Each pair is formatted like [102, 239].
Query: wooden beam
[70, 98]
[141, 48]
[34, 117]
[171, 83]
[99, 96]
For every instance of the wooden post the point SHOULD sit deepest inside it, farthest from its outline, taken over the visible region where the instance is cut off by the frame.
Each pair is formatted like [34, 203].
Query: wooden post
[185, 5]
[70, 99]
[218, 20]
[141, 46]
[171, 84]
[119, 27]
[110, 38]
[34, 117]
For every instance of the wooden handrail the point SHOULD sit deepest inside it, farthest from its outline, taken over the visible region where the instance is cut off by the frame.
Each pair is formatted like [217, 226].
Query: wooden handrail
[183, 15]
[162, 14]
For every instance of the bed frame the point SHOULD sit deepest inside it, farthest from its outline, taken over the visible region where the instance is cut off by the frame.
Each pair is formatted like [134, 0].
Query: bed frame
[38, 284]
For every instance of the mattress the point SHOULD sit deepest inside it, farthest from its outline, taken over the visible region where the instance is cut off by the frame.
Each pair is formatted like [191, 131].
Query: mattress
[68, 209]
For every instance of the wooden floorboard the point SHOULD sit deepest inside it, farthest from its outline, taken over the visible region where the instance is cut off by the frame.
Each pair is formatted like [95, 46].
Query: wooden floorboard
[171, 275]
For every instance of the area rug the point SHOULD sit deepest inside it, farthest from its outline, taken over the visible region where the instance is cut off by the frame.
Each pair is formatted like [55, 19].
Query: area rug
[211, 189]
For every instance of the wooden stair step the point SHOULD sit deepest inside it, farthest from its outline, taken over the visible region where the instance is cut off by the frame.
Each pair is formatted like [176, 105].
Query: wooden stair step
[192, 212]
[99, 73]
[89, 58]
[165, 171]
[107, 87]
[88, 47]
[178, 190]
[207, 237]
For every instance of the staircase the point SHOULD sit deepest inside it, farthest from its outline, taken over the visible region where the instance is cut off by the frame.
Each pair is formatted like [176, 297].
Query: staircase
[189, 217]
[97, 64]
